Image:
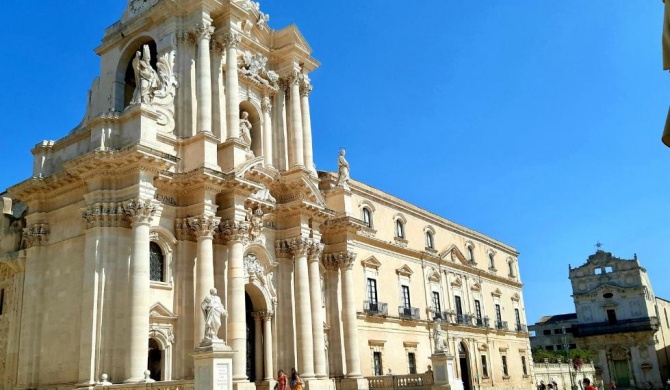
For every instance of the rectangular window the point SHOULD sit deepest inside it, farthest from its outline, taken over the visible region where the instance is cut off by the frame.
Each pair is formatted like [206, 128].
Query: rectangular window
[504, 366]
[485, 367]
[549, 347]
[559, 347]
[411, 361]
[459, 307]
[478, 309]
[611, 316]
[372, 293]
[568, 330]
[558, 331]
[498, 315]
[573, 346]
[523, 366]
[436, 302]
[405, 297]
[546, 332]
[377, 357]
[517, 316]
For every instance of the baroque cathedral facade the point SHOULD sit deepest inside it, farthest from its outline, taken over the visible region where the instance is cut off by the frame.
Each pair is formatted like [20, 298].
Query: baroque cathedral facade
[193, 169]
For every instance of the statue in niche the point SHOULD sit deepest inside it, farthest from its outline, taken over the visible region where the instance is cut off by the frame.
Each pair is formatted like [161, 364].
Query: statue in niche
[156, 87]
[212, 310]
[245, 128]
[146, 78]
[342, 169]
[441, 343]
[255, 219]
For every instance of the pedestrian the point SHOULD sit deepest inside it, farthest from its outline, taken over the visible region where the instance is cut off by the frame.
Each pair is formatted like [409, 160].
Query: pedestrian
[282, 380]
[587, 384]
[667, 384]
[295, 382]
[542, 386]
[613, 385]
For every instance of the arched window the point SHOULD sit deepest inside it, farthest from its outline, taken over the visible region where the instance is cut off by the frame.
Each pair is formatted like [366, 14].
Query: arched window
[367, 216]
[471, 253]
[429, 240]
[492, 264]
[399, 228]
[157, 263]
[510, 264]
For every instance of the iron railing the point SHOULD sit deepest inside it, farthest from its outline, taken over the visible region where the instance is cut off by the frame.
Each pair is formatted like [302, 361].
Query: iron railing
[501, 325]
[375, 308]
[408, 313]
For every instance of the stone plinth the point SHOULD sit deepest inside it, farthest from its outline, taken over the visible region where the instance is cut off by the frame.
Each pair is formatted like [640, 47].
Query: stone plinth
[321, 384]
[443, 372]
[354, 384]
[213, 367]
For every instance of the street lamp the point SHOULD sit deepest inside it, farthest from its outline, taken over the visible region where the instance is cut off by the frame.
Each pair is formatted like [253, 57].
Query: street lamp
[566, 346]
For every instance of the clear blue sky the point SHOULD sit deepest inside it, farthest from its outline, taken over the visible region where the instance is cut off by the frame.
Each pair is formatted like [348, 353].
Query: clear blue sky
[537, 123]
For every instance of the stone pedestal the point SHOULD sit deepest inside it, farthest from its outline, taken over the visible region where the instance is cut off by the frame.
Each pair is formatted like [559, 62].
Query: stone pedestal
[354, 384]
[232, 153]
[322, 384]
[267, 385]
[213, 367]
[443, 372]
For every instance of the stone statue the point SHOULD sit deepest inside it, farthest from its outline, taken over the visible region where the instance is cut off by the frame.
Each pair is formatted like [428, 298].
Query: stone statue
[441, 343]
[342, 169]
[146, 78]
[245, 128]
[212, 309]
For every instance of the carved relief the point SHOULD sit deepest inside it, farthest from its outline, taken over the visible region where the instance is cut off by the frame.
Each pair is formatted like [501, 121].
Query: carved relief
[203, 226]
[104, 215]
[139, 211]
[235, 231]
[255, 219]
[254, 67]
[343, 260]
[35, 235]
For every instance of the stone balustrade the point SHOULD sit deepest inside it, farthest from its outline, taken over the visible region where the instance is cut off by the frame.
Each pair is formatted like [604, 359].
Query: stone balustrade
[167, 385]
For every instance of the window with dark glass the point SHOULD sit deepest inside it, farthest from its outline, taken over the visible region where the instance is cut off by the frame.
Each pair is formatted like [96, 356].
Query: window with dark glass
[459, 307]
[498, 315]
[471, 254]
[517, 316]
[504, 366]
[405, 297]
[558, 331]
[372, 293]
[523, 365]
[478, 309]
[377, 358]
[436, 302]
[549, 347]
[485, 367]
[157, 263]
[511, 268]
[367, 216]
[399, 229]
[611, 316]
[546, 332]
[492, 263]
[429, 240]
[411, 362]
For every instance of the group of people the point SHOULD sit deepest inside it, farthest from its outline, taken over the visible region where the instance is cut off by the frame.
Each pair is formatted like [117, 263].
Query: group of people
[586, 385]
[294, 382]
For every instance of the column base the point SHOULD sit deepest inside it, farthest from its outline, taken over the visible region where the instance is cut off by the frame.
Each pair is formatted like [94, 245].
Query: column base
[354, 384]
[244, 386]
[267, 384]
[320, 384]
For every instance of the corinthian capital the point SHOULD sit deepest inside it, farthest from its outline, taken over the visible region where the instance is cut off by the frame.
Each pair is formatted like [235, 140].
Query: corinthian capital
[202, 31]
[300, 246]
[233, 231]
[266, 104]
[203, 226]
[343, 260]
[231, 40]
[139, 211]
[35, 235]
[305, 86]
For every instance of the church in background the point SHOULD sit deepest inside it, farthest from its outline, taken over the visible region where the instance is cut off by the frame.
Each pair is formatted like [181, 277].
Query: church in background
[193, 169]
[618, 317]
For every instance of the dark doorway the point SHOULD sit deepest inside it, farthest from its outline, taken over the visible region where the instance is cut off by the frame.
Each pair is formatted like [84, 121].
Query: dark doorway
[465, 366]
[155, 363]
[251, 338]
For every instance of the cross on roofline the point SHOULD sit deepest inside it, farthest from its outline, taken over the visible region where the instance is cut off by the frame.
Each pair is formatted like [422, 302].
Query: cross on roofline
[599, 245]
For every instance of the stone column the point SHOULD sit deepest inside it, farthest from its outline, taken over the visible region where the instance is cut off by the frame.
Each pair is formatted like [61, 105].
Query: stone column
[219, 126]
[204, 268]
[296, 146]
[203, 34]
[232, 85]
[346, 260]
[335, 333]
[317, 311]
[300, 248]
[267, 344]
[258, 343]
[305, 89]
[266, 106]
[236, 234]
[140, 213]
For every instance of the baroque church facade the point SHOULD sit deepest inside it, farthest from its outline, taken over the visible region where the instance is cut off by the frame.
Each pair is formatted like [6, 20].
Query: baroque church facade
[193, 169]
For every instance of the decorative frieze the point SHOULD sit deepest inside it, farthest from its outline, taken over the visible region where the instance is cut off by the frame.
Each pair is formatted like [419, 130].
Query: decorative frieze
[110, 214]
[35, 235]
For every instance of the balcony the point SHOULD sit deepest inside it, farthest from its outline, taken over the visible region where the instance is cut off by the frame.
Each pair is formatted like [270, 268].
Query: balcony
[621, 326]
[501, 325]
[464, 319]
[521, 328]
[408, 313]
[376, 308]
[482, 322]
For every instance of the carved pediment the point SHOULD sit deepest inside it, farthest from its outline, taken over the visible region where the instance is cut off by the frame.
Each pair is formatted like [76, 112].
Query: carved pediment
[455, 255]
[497, 293]
[159, 311]
[516, 297]
[434, 276]
[476, 287]
[457, 282]
[404, 271]
[371, 262]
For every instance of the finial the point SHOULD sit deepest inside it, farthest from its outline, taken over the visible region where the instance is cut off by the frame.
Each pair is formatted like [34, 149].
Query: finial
[599, 245]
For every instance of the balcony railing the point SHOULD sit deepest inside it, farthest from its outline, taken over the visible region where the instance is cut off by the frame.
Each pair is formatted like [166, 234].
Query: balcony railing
[464, 319]
[376, 308]
[501, 325]
[408, 313]
[521, 328]
[482, 322]
[620, 326]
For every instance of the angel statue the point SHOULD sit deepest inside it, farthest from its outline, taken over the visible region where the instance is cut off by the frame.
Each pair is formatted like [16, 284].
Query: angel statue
[212, 310]
[146, 78]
